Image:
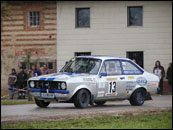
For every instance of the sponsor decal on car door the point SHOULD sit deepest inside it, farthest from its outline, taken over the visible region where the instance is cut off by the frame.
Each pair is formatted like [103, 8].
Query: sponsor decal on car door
[113, 82]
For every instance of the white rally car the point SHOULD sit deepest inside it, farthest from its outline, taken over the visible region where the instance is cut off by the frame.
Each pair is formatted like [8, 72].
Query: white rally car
[87, 80]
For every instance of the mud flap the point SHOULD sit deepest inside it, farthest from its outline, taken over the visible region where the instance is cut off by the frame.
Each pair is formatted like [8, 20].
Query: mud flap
[92, 100]
[148, 96]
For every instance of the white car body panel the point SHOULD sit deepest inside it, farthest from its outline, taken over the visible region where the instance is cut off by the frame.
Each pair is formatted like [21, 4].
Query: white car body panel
[98, 86]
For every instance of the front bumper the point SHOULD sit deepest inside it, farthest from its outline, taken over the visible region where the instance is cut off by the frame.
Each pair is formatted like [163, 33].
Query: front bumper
[58, 94]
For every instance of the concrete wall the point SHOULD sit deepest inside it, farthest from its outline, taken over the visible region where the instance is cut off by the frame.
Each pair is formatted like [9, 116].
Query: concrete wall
[109, 34]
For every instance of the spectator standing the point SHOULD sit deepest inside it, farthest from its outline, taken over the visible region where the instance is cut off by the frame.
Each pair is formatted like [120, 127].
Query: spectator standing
[169, 76]
[41, 70]
[22, 83]
[34, 72]
[12, 78]
[160, 72]
[45, 70]
[134, 60]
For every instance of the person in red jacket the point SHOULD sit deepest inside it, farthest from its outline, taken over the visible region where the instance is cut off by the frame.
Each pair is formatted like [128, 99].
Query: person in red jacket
[45, 70]
[160, 72]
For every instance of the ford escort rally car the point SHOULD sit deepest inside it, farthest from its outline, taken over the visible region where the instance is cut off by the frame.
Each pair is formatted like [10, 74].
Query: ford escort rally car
[87, 80]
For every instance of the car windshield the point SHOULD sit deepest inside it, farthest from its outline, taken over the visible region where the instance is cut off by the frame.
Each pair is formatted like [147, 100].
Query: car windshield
[82, 65]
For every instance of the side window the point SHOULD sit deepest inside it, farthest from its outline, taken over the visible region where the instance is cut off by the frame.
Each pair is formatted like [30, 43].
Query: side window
[113, 67]
[129, 68]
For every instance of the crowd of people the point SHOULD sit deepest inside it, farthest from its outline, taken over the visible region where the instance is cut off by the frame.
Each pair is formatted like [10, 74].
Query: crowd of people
[160, 72]
[18, 82]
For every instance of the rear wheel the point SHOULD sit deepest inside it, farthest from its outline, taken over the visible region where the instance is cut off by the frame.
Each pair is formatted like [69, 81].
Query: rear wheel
[82, 99]
[100, 103]
[138, 97]
[41, 103]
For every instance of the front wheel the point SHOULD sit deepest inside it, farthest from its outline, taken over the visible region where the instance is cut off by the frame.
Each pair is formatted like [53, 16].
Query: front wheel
[41, 103]
[138, 97]
[82, 99]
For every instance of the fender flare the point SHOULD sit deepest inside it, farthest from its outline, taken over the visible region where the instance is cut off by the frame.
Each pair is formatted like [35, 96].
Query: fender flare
[79, 88]
[140, 87]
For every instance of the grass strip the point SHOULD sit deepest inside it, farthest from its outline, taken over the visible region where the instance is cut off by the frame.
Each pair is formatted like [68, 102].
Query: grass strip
[11, 102]
[152, 121]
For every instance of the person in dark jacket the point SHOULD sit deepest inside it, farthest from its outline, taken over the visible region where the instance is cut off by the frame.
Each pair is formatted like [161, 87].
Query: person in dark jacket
[169, 76]
[22, 83]
[12, 78]
[160, 72]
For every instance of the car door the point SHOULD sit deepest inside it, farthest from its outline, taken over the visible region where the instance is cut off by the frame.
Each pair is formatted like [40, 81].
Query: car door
[133, 75]
[111, 81]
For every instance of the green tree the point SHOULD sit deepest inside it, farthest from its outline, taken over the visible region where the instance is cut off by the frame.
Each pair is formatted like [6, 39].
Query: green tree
[27, 60]
[5, 10]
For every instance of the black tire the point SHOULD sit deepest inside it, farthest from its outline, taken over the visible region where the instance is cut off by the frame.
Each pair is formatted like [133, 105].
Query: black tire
[138, 97]
[81, 99]
[41, 103]
[100, 103]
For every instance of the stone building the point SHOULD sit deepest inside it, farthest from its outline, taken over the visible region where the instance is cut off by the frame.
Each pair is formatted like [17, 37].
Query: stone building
[31, 26]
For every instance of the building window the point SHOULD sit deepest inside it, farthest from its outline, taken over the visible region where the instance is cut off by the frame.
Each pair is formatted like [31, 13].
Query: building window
[134, 16]
[136, 56]
[31, 65]
[41, 64]
[23, 65]
[50, 65]
[82, 17]
[34, 18]
[82, 53]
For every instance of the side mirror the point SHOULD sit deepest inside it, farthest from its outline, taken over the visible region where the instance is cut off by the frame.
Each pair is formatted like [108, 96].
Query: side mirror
[103, 75]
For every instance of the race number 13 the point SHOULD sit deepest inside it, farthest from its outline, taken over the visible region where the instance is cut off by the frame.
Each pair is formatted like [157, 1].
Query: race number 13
[112, 87]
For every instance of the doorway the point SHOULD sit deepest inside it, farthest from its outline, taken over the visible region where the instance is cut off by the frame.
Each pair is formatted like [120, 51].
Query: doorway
[138, 56]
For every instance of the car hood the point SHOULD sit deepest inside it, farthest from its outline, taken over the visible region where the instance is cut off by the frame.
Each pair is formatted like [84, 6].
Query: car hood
[63, 76]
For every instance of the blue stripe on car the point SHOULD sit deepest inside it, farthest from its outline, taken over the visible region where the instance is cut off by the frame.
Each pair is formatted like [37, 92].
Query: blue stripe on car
[46, 79]
[43, 79]
[50, 79]
[50, 90]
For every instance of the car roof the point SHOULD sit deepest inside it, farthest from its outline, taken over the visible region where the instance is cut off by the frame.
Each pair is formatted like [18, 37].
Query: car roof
[102, 57]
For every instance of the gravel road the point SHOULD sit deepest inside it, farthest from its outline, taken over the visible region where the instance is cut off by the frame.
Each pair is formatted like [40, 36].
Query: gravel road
[64, 111]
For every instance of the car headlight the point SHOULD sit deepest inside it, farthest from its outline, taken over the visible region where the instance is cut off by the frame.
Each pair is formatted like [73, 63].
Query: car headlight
[63, 86]
[32, 84]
